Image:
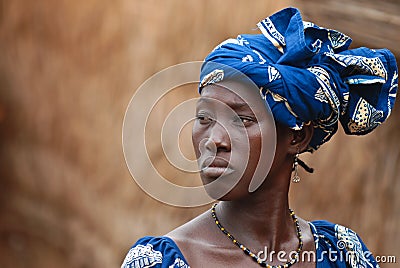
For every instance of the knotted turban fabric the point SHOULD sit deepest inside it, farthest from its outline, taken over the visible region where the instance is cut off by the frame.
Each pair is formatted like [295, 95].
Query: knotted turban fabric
[307, 73]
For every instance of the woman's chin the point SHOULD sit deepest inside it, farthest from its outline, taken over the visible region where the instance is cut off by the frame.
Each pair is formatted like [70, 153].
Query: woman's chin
[218, 188]
[221, 194]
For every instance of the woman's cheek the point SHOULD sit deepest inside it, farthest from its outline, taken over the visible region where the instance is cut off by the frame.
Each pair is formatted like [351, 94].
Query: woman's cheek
[197, 136]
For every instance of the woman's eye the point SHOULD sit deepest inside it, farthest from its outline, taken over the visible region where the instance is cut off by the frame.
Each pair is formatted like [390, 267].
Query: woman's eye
[203, 119]
[245, 120]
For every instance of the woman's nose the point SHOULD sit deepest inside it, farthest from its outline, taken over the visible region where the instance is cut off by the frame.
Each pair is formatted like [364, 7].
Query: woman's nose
[219, 139]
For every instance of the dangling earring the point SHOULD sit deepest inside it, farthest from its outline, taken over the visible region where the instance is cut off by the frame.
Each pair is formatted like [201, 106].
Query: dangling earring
[296, 177]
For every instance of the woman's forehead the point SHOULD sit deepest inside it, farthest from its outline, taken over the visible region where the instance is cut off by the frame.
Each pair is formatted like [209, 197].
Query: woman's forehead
[234, 94]
[221, 94]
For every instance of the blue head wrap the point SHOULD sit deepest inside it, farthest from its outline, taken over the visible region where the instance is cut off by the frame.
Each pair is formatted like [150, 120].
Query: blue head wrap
[307, 74]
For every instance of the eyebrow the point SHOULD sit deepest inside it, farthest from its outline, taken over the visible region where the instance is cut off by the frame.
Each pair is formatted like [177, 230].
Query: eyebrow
[233, 105]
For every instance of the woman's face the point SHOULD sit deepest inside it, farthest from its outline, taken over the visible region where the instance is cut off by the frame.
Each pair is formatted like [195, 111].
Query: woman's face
[229, 136]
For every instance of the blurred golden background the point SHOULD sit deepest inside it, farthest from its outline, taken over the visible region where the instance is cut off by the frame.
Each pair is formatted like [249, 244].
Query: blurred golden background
[67, 72]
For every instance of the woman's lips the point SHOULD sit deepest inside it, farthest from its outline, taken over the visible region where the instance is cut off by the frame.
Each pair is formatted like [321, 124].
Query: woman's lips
[218, 167]
[215, 172]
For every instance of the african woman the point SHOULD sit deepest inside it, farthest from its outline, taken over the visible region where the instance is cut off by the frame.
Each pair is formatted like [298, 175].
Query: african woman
[310, 80]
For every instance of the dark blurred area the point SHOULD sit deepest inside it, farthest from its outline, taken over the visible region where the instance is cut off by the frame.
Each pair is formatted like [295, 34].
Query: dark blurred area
[67, 72]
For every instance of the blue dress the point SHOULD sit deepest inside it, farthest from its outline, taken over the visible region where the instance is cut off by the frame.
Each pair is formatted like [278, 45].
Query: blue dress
[336, 246]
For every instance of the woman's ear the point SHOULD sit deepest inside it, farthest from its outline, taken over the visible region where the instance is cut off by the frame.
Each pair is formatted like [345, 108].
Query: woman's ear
[301, 139]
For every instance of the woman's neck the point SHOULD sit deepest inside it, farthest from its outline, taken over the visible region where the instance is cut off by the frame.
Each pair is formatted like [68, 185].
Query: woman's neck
[262, 219]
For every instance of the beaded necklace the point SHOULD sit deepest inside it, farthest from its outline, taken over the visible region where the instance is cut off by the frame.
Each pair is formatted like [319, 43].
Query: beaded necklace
[248, 252]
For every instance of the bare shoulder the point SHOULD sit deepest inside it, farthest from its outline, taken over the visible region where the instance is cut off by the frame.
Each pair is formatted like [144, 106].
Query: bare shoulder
[198, 241]
[308, 237]
[193, 232]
